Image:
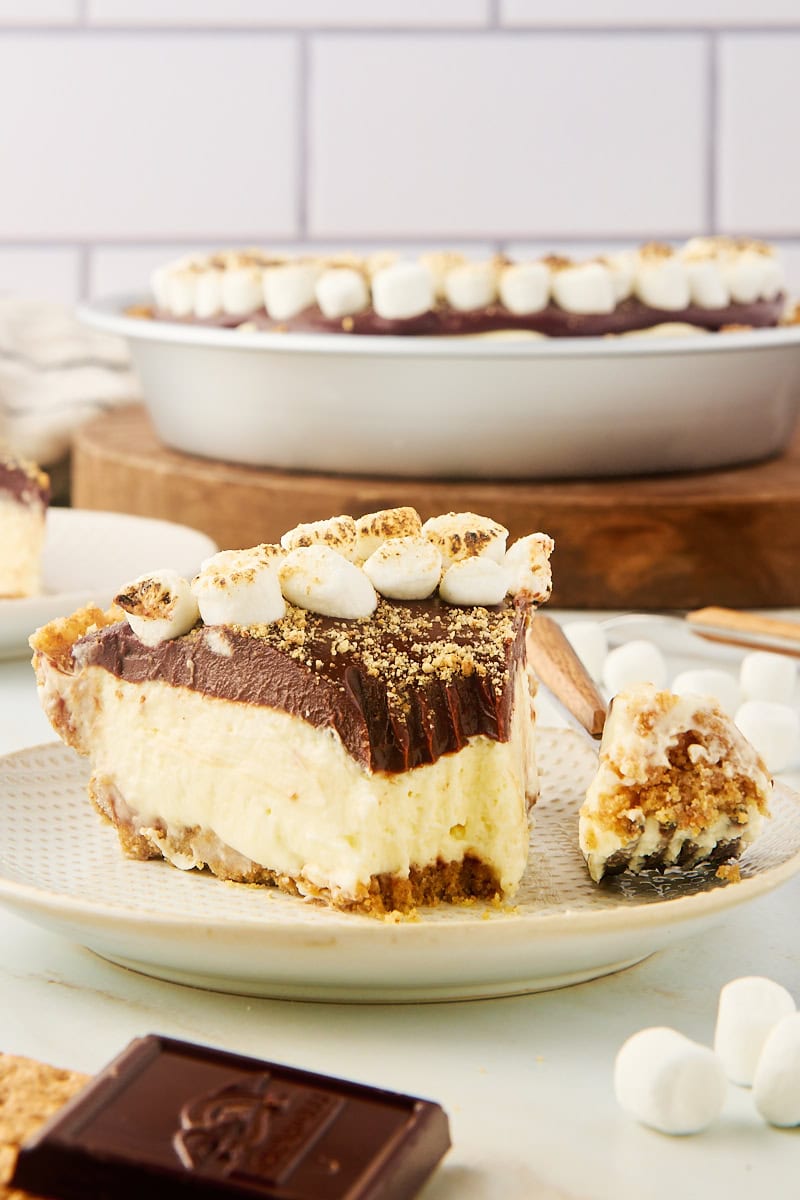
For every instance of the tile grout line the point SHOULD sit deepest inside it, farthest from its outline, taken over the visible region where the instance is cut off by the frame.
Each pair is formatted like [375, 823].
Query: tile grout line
[302, 134]
[712, 132]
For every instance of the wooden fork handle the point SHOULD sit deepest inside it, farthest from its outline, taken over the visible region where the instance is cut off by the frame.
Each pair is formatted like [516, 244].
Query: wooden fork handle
[561, 671]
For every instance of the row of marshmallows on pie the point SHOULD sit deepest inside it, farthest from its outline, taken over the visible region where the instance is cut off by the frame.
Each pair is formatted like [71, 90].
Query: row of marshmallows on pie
[339, 567]
[710, 272]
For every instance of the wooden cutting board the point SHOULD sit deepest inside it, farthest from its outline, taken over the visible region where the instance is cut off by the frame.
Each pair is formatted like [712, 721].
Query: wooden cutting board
[729, 537]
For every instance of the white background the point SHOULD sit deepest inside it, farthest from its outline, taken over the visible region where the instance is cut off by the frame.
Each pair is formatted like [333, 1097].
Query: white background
[132, 130]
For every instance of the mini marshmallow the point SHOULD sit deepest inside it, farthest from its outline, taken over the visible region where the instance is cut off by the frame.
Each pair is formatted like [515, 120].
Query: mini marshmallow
[473, 285]
[181, 286]
[668, 1082]
[637, 661]
[159, 286]
[338, 533]
[774, 280]
[466, 535]
[379, 261]
[474, 581]
[402, 290]
[525, 287]
[773, 731]
[588, 640]
[241, 587]
[289, 288]
[745, 273]
[527, 563]
[405, 568]
[438, 263]
[242, 289]
[340, 292]
[208, 293]
[158, 606]
[776, 1086]
[321, 580]
[710, 682]
[749, 1008]
[662, 280]
[767, 676]
[373, 529]
[584, 288]
[707, 287]
[622, 266]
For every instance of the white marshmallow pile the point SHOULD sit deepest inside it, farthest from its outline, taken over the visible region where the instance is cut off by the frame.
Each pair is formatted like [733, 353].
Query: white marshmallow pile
[761, 699]
[676, 1086]
[708, 272]
[340, 567]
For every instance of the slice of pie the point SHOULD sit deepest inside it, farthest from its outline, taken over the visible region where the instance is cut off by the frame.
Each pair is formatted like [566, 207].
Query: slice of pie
[24, 496]
[677, 784]
[376, 760]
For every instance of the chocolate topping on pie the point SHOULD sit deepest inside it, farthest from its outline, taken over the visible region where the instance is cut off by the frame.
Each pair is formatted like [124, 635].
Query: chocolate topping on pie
[401, 689]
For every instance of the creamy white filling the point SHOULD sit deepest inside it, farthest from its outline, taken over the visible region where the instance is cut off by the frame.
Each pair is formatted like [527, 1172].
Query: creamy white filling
[22, 529]
[288, 795]
[651, 837]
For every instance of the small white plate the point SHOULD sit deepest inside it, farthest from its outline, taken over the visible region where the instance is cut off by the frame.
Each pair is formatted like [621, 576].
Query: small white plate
[87, 557]
[62, 868]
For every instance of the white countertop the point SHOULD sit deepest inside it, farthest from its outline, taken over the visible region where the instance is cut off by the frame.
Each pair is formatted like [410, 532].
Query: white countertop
[526, 1081]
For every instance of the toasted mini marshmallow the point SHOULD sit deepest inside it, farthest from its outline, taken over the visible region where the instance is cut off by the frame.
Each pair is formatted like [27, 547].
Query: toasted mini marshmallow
[527, 563]
[181, 287]
[341, 291]
[159, 285]
[338, 533]
[662, 280]
[622, 266]
[241, 587]
[439, 263]
[473, 285]
[373, 529]
[745, 273]
[774, 279]
[158, 606]
[242, 289]
[466, 535]
[402, 290]
[584, 288]
[525, 287]
[707, 286]
[289, 288]
[322, 581]
[208, 293]
[378, 261]
[405, 568]
[470, 581]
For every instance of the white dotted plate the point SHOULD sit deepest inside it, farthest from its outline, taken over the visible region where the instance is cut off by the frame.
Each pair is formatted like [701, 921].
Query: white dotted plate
[61, 867]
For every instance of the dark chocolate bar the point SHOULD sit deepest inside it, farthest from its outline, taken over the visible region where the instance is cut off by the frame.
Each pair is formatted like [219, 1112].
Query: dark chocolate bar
[169, 1119]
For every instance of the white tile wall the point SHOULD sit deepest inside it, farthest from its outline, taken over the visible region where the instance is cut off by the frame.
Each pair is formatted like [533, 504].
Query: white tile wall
[36, 12]
[123, 136]
[759, 179]
[319, 13]
[644, 13]
[561, 135]
[144, 128]
[49, 274]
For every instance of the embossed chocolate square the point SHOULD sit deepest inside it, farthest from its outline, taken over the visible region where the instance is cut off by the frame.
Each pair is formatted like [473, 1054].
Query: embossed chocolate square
[167, 1118]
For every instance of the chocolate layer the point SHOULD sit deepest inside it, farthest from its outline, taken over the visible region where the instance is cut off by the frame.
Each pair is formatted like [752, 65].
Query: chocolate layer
[630, 315]
[24, 482]
[170, 1119]
[402, 688]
